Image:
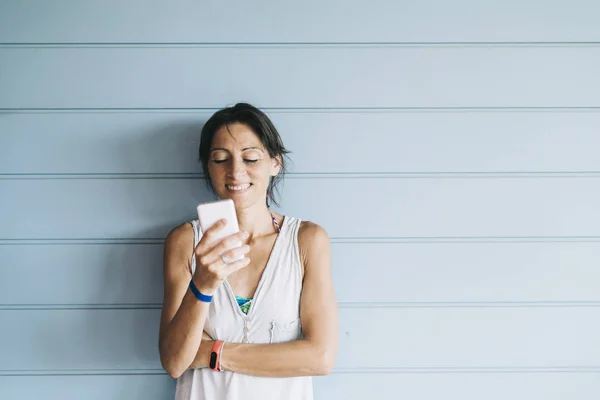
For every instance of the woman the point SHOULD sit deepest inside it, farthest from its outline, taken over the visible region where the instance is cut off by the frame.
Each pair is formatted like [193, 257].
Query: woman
[268, 321]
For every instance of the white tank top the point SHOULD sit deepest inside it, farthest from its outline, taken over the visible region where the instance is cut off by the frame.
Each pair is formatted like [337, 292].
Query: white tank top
[274, 316]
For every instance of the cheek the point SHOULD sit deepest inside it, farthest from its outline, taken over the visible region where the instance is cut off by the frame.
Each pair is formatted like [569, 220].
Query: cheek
[214, 173]
[259, 172]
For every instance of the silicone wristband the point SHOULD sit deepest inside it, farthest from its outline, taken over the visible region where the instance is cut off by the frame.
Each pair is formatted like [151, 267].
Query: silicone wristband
[215, 356]
[199, 296]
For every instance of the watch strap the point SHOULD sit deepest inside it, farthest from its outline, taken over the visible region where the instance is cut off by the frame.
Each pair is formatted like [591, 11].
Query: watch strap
[215, 355]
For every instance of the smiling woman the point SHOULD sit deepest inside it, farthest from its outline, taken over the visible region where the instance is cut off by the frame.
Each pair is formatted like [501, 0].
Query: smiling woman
[226, 327]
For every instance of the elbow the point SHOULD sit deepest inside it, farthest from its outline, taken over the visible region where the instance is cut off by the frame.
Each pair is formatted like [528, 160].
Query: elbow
[174, 373]
[171, 367]
[172, 370]
[324, 364]
[323, 371]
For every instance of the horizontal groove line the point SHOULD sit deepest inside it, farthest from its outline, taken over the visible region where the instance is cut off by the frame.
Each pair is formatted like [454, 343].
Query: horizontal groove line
[341, 305]
[305, 109]
[489, 370]
[315, 175]
[72, 372]
[471, 304]
[305, 44]
[333, 239]
[364, 370]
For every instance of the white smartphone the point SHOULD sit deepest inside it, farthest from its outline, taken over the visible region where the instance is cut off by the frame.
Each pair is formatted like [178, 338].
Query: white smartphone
[209, 213]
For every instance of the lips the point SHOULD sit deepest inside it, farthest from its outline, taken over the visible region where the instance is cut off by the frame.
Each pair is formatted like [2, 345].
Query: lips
[238, 188]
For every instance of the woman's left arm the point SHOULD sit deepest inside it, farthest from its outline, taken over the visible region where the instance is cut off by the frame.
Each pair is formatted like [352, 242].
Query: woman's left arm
[314, 354]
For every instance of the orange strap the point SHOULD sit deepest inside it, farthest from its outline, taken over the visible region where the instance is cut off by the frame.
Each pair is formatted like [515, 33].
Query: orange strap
[215, 355]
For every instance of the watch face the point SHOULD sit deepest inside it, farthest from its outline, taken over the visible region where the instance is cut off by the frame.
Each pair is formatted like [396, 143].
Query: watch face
[213, 360]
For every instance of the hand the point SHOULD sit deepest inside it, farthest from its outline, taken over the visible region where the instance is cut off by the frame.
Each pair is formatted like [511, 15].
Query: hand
[211, 270]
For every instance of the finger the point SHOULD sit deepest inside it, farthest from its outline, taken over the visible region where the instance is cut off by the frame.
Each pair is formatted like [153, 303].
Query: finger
[207, 239]
[227, 257]
[226, 245]
[229, 269]
[235, 254]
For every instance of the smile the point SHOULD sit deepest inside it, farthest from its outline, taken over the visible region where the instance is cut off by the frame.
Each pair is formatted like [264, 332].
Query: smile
[239, 188]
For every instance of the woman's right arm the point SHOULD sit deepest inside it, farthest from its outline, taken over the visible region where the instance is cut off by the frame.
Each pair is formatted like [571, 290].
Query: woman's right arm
[183, 316]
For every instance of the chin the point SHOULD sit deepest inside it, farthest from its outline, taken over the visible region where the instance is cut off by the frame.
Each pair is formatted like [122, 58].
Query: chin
[239, 200]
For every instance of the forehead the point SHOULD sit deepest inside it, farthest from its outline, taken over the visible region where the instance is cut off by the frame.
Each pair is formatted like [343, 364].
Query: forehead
[236, 136]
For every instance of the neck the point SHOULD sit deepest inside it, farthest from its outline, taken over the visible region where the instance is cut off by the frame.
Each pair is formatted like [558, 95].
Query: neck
[256, 220]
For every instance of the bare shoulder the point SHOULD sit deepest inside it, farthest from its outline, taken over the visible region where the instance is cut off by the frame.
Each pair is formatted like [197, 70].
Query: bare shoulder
[179, 245]
[180, 237]
[313, 239]
[311, 233]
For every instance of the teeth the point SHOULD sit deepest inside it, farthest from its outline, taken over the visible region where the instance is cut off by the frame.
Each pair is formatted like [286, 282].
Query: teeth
[242, 187]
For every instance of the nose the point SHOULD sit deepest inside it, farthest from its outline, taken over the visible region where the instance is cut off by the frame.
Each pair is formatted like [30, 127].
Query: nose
[237, 169]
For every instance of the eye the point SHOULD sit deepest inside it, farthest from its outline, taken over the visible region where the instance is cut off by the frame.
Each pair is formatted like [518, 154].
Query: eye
[219, 161]
[251, 161]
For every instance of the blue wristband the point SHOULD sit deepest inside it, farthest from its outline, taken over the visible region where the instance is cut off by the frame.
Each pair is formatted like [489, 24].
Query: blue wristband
[199, 296]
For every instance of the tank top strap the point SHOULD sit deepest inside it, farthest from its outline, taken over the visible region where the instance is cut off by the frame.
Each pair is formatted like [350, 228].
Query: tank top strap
[292, 249]
[285, 253]
[196, 226]
[294, 227]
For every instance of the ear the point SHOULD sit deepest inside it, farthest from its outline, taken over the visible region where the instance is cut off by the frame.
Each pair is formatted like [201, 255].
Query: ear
[276, 165]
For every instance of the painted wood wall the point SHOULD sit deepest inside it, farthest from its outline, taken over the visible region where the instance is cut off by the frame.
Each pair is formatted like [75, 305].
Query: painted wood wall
[449, 148]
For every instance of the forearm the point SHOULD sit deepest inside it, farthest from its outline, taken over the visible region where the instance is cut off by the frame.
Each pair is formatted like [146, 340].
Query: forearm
[296, 358]
[183, 335]
[202, 356]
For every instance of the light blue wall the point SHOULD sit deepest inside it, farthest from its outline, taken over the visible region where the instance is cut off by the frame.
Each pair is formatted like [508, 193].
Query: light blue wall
[449, 148]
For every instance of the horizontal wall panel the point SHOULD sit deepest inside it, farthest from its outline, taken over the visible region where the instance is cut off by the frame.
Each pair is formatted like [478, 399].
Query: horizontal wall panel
[100, 387]
[321, 142]
[470, 337]
[405, 272]
[464, 272]
[309, 21]
[300, 76]
[79, 339]
[81, 274]
[352, 207]
[414, 337]
[464, 386]
[384, 386]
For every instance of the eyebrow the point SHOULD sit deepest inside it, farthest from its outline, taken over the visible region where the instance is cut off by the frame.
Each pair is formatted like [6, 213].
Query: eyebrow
[244, 149]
